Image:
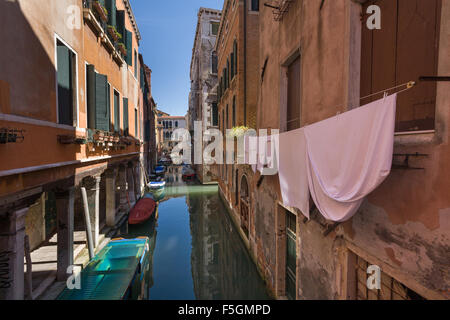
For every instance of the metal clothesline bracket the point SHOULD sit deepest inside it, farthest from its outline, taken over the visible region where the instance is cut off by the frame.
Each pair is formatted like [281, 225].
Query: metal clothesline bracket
[405, 165]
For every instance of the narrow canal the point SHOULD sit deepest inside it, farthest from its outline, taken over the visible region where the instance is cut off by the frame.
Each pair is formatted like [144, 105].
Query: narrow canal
[196, 251]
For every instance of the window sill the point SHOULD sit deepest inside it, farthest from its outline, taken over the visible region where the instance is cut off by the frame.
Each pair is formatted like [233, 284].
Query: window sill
[414, 138]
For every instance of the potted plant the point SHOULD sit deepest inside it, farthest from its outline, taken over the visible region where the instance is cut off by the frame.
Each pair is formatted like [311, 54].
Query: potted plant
[113, 33]
[101, 11]
[99, 136]
[122, 49]
[238, 131]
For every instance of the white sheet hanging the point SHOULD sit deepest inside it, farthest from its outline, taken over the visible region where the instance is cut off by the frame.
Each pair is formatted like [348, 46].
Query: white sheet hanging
[350, 155]
[292, 170]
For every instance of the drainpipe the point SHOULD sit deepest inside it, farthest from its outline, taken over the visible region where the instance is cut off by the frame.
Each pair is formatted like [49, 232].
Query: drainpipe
[245, 62]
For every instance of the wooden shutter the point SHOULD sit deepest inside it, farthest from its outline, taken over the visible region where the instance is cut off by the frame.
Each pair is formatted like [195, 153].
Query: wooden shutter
[293, 98]
[101, 103]
[125, 117]
[91, 91]
[404, 49]
[65, 89]
[112, 14]
[129, 45]
[116, 112]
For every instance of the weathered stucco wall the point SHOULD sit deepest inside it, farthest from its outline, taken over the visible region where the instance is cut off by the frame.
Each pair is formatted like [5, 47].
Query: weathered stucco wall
[404, 225]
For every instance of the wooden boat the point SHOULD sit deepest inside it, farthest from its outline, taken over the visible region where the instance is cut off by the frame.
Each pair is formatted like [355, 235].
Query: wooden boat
[156, 185]
[160, 170]
[188, 173]
[118, 272]
[142, 211]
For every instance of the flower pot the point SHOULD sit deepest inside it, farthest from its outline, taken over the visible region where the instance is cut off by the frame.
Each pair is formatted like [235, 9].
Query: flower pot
[122, 49]
[112, 32]
[101, 12]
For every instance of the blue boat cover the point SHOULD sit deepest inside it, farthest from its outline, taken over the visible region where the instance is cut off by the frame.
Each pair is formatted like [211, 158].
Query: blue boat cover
[111, 271]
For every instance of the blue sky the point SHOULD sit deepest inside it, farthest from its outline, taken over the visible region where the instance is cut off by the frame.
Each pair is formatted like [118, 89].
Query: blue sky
[167, 29]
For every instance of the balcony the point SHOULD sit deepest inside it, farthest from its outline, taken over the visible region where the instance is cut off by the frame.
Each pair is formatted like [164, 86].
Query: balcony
[97, 18]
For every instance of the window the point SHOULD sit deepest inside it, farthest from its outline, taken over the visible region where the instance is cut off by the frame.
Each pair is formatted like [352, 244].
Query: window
[126, 125]
[255, 5]
[402, 51]
[136, 132]
[116, 112]
[176, 124]
[291, 255]
[232, 65]
[227, 122]
[234, 111]
[235, 55]
[215, 121]
[293, 95]
[391, 289]
[228, 73]
[223, 122]
[135, 63]
[67, 85]
[214, 62]
[214, 28]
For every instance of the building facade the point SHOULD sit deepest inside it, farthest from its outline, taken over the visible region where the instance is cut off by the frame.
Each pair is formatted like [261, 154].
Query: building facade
[71, 118]
[237, 49]
[318, 59]
[167, 124]
[203, 74]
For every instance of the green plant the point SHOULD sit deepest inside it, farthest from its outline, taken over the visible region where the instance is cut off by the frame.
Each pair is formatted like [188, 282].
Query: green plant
[238, 131]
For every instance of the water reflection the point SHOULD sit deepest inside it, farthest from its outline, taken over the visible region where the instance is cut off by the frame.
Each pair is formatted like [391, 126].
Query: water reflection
[198, 252]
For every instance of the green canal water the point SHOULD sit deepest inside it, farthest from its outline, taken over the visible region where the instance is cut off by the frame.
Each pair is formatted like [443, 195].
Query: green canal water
[196, 250]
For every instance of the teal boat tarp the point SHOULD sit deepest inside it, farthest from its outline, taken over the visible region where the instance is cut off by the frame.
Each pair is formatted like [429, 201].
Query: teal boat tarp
[111, 272]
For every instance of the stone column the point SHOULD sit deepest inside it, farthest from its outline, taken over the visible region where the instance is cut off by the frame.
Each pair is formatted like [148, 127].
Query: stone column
[95, 217]
[65, 216]
[12, 234]
[138, 179]
[131, 185]
[111, 197]
[123, 187]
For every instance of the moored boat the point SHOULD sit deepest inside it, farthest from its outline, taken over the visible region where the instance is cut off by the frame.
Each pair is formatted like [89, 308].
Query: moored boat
[160, 170]
[188, 173]
[142, 211]
[155, 185]
[118, 272]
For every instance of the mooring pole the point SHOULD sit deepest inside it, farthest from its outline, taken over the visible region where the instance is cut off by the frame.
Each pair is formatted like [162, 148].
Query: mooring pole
[87, 220]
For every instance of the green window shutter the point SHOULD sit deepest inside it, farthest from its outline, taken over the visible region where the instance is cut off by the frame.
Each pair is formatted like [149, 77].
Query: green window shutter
[112, 14]
[120, 24]
[136, 133]
[108, 106]
[65, 89]
[101, 102]
[90, 70]
[116, 112]
[135, 63]
[129, 45]
[125, 117]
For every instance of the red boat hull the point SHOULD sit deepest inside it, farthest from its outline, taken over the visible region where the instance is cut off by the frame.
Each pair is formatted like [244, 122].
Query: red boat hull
[142, 211]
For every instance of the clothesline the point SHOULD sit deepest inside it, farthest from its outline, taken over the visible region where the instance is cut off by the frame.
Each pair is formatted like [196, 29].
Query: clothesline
[408, 85]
